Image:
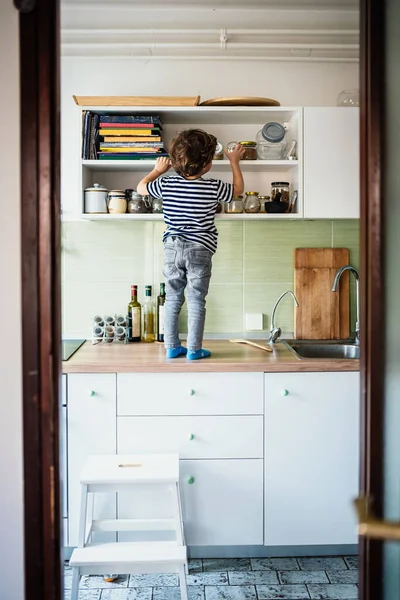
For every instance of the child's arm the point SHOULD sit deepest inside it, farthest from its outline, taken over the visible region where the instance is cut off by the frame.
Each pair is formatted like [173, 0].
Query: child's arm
[234, 158]
[163, 164]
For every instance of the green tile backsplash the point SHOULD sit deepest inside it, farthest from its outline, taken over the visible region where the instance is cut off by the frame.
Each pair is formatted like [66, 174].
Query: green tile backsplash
[252, 267]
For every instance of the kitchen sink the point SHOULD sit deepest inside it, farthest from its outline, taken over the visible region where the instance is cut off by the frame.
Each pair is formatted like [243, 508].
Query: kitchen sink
[323, 349]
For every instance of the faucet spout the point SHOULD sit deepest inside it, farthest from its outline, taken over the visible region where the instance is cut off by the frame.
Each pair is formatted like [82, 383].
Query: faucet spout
[276, 331]
[335, 287]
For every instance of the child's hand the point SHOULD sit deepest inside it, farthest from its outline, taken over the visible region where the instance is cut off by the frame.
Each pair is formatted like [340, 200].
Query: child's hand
[236, 155]
[163, 164]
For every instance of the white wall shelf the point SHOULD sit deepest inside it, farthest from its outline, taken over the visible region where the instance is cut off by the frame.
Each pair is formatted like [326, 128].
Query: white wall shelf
[159, 217]
[278, 166]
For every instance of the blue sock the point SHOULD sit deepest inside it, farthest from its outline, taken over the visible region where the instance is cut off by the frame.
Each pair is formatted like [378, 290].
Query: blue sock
[196, 354]
[175, 352]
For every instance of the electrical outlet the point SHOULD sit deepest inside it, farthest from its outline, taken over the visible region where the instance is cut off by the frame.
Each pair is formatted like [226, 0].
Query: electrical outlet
[254, 321]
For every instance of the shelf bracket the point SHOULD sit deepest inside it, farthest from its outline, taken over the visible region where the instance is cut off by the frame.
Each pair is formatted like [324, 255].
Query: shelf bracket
[223, 38]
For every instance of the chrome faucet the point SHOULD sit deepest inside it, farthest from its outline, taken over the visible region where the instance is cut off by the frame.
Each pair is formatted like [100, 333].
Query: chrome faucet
[276, 331]
[335, 288]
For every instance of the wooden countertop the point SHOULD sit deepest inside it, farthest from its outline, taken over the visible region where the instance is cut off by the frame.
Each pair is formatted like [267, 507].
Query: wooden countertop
[226, 357]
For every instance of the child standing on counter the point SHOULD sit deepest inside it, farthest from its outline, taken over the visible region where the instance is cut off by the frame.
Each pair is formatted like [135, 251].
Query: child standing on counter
[190, 203]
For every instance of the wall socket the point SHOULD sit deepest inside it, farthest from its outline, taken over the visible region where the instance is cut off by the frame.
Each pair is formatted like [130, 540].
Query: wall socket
[254, 321]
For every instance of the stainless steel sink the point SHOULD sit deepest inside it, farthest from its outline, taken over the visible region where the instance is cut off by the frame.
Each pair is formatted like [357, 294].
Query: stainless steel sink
[324, 349]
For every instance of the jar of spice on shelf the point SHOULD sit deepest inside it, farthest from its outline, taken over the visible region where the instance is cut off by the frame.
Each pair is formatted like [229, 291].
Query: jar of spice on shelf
[116, 202]
[249, 147]
[252, 203]
[136, 203]
[235, 206]
[157, 205]
[219, 152]
[280, 187]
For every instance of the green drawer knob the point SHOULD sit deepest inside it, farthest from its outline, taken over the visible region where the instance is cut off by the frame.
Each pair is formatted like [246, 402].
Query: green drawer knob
[285, 393]
[191, 392]
[191, 480]
[191, 436]
[92, 393]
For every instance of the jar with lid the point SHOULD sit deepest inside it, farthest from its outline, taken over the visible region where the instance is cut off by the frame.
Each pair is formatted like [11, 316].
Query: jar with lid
[235, 206]
[263, 200]
[116, 202]
[252, 203]
[219, 152]
[157, 205]
[271, 143]
[282, 188]
[249, 147]
[96, 199]
[136, 204]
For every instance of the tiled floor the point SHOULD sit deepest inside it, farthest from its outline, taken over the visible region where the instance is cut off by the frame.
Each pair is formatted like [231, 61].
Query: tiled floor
[331, 578]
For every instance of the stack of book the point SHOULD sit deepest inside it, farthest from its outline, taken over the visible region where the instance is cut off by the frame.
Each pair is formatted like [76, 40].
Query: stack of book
[130, 137]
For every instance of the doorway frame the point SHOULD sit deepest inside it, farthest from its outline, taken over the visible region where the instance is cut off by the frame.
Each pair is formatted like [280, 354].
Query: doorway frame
[40, 229]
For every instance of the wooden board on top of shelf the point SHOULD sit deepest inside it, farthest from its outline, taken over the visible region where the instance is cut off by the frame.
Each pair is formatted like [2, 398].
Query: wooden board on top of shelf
[116, 101]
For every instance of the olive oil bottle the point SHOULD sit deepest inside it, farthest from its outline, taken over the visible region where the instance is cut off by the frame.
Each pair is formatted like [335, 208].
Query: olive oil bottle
[134, 317]
[148, 333]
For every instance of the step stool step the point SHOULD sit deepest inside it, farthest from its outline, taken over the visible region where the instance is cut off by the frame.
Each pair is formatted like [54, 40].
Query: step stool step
[126, 553]
[128, 469]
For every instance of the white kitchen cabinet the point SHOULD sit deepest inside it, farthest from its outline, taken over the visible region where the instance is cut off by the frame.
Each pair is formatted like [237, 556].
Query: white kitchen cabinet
[192, 437]
[91, 430]
[331, 163]
[190, 393]
[311, 458]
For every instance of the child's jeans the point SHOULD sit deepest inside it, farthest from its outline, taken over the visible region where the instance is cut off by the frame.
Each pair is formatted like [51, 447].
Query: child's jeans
[185, 264]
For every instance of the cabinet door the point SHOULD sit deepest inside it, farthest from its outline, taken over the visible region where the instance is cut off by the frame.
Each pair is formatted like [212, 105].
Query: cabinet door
[224, 504]
[331, 163]
[311, 458]
[91, 430]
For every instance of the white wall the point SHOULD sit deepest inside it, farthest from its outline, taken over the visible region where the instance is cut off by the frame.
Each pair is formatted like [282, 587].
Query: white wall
[292, 84]
[11, 496]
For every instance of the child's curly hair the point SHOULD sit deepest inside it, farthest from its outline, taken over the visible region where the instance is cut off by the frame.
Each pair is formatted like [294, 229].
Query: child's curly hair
[191, 151]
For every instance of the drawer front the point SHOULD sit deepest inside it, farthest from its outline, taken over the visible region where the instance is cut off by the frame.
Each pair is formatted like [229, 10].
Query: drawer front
[192, 437]
[189, 394]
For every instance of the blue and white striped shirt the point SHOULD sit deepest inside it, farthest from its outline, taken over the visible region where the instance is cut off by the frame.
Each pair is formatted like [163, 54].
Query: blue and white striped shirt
[190, 205]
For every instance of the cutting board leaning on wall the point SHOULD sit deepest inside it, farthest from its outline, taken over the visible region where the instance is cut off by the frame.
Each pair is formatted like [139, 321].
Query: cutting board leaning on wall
[322, 314]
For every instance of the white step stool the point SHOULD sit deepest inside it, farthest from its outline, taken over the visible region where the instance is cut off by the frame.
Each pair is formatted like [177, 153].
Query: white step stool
[121, 473]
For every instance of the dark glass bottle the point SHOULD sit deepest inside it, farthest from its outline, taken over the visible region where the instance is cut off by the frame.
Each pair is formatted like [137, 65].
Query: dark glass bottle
[134, 317]
[160, 313]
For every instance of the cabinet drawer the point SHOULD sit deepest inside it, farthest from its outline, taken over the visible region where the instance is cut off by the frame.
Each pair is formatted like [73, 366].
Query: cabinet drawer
[192, 437]
[189, 393]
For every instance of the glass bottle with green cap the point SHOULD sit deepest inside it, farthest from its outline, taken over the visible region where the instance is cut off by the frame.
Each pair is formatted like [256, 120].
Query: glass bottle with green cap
[160, 313]
[148, 334]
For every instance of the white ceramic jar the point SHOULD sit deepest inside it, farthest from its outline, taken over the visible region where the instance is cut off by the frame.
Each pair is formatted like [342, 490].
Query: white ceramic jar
[117, 203]
[96, 199]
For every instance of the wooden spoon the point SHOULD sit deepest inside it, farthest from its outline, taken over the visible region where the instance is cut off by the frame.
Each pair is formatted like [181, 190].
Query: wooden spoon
[266, 348]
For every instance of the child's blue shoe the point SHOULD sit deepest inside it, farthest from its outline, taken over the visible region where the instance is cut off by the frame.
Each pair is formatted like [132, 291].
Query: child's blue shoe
[175, 352]
[196, 354]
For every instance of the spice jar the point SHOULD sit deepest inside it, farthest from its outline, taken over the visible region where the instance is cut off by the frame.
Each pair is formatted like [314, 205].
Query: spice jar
[235, 206]
[252, 203]
[219, 152]
[249, 147]
[136, 203]
[116, 202]
[263, 200]
[280, 187]
[157, 205]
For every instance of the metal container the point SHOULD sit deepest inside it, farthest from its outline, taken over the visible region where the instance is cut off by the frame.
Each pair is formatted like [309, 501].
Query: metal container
[96, 199]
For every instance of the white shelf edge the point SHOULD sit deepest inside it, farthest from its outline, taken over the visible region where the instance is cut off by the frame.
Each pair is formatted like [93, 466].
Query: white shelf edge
[159, 217]
[135, 164]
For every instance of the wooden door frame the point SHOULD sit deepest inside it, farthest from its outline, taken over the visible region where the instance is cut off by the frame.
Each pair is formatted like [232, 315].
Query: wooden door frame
[39, 33]
[40, 197]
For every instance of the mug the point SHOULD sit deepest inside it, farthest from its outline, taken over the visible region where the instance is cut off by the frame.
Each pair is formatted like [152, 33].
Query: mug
[98, 334]
[109, 334]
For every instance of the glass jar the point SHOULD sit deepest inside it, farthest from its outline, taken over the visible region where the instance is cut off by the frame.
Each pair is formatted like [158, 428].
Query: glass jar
[235, 206]
[219, 152]
[157, 205]
[252, 203]
[271, 143]
[263, 200]
[282, 188]
[136, 202]
[349, 98]
[250, 149]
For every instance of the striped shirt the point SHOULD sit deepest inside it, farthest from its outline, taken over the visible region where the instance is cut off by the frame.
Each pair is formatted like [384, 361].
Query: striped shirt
[189, 207]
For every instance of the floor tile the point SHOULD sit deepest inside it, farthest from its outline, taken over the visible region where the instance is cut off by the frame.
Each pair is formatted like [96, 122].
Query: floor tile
[84, 594]
[274, 564]
[333, 592]
[195, 565]
[241, 592]
[330, 563]
[174, 593]
[282, 592]
[226, 564]
[128, 594]
[208, 579]
[252, 577]
[303, 577]
[153, 580]
[97, 582]
[351, 562]
[349, 576]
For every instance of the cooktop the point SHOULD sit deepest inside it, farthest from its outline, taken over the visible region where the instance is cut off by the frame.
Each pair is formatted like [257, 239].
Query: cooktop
[69, 347]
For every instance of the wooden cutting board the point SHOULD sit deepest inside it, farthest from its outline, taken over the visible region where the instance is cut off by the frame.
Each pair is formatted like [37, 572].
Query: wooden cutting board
[322, 314]
[137, 100]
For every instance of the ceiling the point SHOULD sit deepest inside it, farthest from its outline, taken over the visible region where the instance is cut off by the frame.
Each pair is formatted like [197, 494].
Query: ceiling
[212, 29]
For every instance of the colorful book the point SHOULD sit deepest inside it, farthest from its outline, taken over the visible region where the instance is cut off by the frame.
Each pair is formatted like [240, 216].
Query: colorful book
[132, 139]
[131, 145]
[128, 150]
[130, 119]
[122, 125]
[138, 132]
[142, 156]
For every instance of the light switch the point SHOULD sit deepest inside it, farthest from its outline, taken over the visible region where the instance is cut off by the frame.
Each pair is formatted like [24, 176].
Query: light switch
[254, 321]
